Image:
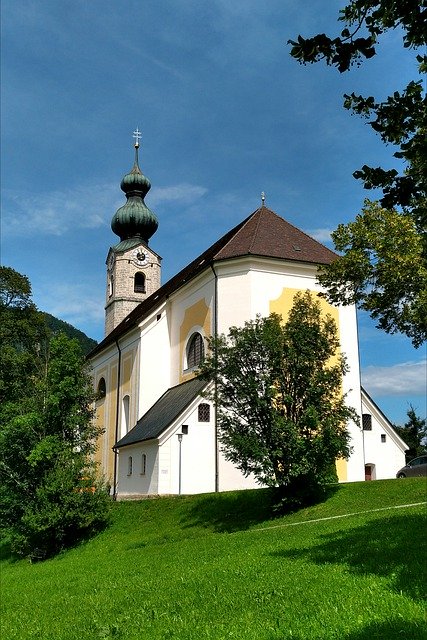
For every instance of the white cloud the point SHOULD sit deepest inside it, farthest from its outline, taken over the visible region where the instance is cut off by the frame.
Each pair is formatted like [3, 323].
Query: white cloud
[75, 304]
[183, 193]
[400, 379]
[58, 212]
[321, 235]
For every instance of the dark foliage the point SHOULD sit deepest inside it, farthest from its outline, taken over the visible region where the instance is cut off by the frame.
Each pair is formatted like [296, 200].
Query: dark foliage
[280, 411]
[50, 494]
[399, 120]
[414, 433]
[59, 326]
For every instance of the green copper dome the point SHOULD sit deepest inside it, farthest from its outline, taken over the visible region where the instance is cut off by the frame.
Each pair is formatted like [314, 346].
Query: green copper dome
[135, 219]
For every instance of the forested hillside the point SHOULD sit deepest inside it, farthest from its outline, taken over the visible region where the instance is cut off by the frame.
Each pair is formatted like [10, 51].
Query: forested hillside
[56, 326]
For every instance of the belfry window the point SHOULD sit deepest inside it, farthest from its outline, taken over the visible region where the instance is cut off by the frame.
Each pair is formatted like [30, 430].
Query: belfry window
[195, 351]
[139, 282]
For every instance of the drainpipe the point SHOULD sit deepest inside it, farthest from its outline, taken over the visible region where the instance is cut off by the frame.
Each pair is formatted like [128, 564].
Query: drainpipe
[215, 381]
[116, 451]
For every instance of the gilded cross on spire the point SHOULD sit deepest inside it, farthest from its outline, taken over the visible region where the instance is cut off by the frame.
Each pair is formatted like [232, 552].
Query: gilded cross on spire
[137, 136]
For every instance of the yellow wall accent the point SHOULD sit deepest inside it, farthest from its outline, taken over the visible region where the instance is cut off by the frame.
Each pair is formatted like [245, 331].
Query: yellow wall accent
[126, 373]
[341, 466]
[199, 314]
[285, 301]
[111, 427]
[100, 423]
[106, 408]
[282, 305]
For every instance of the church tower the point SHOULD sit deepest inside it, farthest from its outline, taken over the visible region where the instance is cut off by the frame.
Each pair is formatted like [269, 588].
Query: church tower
[133, 269]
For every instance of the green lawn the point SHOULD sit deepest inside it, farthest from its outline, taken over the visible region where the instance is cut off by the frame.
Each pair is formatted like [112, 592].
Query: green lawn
[216, 566]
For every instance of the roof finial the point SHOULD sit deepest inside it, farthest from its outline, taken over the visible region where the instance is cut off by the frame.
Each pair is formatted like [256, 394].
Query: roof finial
[262, 198]
[137, 136]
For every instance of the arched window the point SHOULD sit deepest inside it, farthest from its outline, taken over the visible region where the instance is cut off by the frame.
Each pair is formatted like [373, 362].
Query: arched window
[143, 464]
[195, 351]
[110, 285]
[139, 282]
[101, 391]
[130, 466]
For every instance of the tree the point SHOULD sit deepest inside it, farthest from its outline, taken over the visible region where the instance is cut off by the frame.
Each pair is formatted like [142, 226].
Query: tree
[400, 120]
[50, 495]
[383, 269]
[280, 410]
[23, 336]
[414, 433]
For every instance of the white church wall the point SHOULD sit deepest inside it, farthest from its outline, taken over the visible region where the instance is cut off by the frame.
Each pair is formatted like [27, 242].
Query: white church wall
[384, 449]
[154, 365]
[196, 453]
[138, 470]
[231, 478]
[270, 278]
[355, 470]
[234, 295]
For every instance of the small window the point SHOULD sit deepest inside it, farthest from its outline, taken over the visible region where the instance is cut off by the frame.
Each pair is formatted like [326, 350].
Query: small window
[101, 391]
[204, 411]
[110, 285]
[383, 437]
[195, 351]
[143, 464]
[130, 465]
[139, 283]
[184, 429]
[367, 422]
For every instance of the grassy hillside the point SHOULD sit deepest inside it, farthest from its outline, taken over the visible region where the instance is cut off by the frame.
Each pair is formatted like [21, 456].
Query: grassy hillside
[216, 566]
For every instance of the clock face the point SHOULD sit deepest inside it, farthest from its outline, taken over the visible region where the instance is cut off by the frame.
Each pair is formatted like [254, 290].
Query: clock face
[140, 257]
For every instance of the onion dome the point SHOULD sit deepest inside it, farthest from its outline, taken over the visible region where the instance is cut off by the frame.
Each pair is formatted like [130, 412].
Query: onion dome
[134, 219]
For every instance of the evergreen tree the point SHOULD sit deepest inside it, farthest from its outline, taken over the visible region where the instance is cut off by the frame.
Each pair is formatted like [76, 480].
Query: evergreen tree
[280, 410]
[414, 433]
[50, 495]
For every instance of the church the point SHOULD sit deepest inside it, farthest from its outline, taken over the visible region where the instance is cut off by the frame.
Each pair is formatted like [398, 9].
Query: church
[159, 432]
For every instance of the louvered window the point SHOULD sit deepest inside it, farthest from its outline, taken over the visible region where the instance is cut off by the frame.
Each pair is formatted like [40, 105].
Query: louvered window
[139, 282]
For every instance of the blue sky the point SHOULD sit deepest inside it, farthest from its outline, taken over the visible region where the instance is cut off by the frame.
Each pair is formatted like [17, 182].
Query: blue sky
[225, 113]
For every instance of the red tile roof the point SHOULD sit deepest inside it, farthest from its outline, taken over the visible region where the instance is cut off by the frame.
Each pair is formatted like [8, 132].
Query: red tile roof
[263, 234]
